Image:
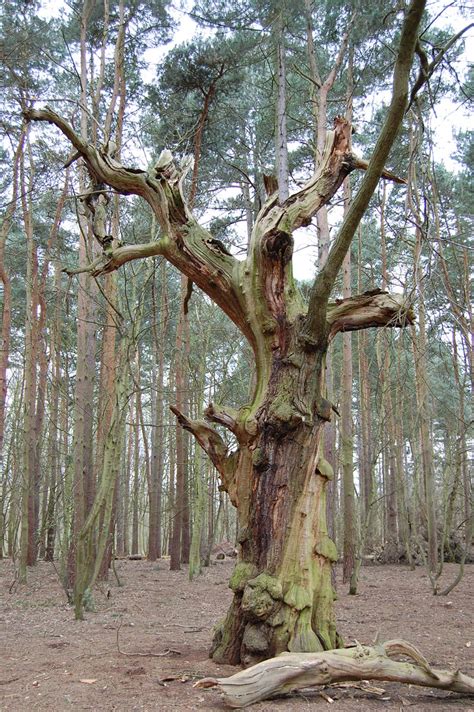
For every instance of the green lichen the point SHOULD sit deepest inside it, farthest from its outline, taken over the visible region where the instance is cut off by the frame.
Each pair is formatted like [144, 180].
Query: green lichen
[257, 603]
[279, 617]
[261, 596]
[269, 325]
[304, 639]
[241, 574]
[324, 468]
[282, 410]
[259, 458]
[323, 621]
[327, 548]
[298, 597]
[268, 583]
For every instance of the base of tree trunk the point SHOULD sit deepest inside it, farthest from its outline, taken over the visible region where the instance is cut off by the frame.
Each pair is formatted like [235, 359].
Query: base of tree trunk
[293, 671]
[262, 622]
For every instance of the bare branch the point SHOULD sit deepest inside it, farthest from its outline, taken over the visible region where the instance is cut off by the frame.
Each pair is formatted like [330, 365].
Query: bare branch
[376, 308]
[301, 206]
[114, 258]
[337, 162]
[124, 180]
[215, 447]
[427, 68]
[226, 417]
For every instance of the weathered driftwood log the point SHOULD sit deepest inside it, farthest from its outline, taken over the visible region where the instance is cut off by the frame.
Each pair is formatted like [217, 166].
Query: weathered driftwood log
[292, 671]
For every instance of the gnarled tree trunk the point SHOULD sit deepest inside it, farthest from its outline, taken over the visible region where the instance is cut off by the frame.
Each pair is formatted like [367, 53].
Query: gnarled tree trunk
[276, 477]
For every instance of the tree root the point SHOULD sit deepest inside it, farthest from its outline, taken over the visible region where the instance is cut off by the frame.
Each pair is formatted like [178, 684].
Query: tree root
[292, 671]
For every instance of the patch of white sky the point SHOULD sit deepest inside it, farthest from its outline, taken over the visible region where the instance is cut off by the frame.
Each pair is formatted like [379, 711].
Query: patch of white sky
[447, 118]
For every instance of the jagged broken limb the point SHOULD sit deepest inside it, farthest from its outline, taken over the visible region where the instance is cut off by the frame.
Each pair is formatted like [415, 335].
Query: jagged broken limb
[294, 671]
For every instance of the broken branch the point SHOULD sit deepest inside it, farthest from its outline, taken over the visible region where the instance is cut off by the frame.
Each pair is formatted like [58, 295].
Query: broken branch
[292, 671]
[375, 308]
[212, 443]
[362, 164]
[228, 418]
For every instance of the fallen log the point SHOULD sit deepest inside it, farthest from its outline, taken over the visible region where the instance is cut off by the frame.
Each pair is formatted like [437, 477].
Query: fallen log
[294, 671]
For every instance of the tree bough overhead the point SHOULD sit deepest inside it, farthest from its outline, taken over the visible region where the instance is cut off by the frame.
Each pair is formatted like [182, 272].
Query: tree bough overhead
[277, 475]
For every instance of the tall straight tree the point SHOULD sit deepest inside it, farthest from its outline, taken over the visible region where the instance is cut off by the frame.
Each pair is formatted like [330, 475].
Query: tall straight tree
[7, 290]
[155, 490]
[84, 481]
[276, 477]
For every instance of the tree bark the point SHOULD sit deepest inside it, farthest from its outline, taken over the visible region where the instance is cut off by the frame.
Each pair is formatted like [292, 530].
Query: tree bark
[281, 147]
[50, 522]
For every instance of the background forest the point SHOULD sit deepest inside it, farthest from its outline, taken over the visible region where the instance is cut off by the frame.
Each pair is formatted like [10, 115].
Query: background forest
[92, 463]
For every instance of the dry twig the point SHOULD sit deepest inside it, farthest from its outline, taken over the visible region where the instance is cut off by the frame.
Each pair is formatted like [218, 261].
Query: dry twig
[168, 651]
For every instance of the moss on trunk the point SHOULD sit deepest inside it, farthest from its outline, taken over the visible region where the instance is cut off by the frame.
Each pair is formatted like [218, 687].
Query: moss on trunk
[283, 595]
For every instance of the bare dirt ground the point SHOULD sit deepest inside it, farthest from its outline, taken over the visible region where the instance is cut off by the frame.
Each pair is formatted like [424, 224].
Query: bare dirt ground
[50, 662]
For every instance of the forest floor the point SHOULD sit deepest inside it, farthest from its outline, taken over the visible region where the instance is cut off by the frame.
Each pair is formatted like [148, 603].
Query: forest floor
[147, 641]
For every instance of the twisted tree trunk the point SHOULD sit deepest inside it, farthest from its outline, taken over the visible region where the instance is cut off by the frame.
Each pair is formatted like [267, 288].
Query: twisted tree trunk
[277, 476]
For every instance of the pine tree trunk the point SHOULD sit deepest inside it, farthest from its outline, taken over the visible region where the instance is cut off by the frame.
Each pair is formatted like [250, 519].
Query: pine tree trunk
[54, 434]
[136, 481]
[157, 447]
[28, 519]
[281, 148]
[350, 552]
[420, 349]
[83, 482]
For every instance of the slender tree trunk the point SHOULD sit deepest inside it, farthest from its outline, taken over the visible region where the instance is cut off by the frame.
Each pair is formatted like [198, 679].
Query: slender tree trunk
[53, 437]
[83, 482]
[199, 499]
[366, 460]
[157, 449]
[96, 533]
[136, 481]
[186, 515]
[347, 443]
[281, 134]
[420, 349]
[181, 404]
[7, 291]
[405, 525]
[351, 543]
[28, 540]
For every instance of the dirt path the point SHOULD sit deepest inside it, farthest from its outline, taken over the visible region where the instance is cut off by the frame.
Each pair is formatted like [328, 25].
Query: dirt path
[50, 662]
